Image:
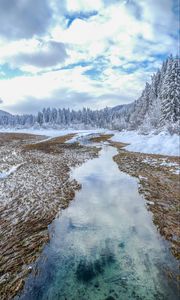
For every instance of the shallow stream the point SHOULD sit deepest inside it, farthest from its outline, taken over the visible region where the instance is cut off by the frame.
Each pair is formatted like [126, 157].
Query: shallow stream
[104, 245]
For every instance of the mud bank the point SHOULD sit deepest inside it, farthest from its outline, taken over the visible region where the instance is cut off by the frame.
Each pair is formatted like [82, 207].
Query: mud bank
[31, 197]
[159, 183]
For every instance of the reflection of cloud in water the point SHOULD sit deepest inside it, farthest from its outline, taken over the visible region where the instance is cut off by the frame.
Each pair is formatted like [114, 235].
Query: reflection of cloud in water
[105, 241]
[110, 203]
[107, 206]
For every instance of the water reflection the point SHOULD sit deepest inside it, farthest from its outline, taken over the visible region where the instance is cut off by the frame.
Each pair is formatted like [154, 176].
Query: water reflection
[104, 246]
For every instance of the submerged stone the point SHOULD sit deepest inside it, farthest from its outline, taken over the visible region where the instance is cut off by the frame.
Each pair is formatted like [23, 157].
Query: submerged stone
[121, 244]
[88, 270]
[96, 285]
[85, 272]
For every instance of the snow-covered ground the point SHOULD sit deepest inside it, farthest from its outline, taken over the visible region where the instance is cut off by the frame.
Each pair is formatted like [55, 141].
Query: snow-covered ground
[4, 174]
[54, 132]
[162, 143]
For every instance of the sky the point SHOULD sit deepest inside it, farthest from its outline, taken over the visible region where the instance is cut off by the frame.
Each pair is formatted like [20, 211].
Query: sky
[81, 53]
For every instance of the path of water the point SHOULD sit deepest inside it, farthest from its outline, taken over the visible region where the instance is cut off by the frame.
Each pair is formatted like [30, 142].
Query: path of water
[104, 245]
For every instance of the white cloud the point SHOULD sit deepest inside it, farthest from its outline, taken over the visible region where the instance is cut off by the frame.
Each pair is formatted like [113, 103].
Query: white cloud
[159, 14]
[43, 86]
[33, 55]
[63, 86]
[21, 19]
[110, 22]
[122, 35]
[83, 5]
[117, 33]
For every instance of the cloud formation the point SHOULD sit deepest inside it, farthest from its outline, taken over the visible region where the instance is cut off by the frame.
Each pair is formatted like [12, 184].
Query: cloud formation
[81, 52]
[47, 54]
[24, 18]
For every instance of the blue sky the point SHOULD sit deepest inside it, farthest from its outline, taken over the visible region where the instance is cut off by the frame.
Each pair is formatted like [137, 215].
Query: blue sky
[75, 53]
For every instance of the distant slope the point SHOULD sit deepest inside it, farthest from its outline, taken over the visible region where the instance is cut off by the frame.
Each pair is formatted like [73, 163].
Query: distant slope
[4, 113]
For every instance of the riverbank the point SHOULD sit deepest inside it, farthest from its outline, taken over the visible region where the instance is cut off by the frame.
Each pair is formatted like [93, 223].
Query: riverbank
[35, 184]
[31, 197]
[104, 245]
[159, 183]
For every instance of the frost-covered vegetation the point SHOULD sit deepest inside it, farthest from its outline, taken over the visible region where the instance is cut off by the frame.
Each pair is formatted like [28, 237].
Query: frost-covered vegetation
[156, 108]
[35, 185]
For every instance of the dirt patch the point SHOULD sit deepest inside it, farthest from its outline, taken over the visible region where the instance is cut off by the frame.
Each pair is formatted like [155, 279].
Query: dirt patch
[30, 199]
[101, 138]
[159, 183]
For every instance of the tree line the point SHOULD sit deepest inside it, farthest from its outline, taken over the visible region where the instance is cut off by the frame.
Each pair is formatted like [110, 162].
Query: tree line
[157, 107]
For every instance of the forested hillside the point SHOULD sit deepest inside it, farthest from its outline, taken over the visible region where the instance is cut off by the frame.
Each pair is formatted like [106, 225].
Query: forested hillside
[159, 103]
[157, 107]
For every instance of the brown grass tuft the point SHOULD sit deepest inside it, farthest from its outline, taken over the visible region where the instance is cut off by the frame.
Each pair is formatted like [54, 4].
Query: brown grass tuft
[101, 138]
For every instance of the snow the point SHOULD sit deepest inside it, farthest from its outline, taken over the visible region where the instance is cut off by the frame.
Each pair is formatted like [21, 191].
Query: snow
[172, 166]
[5, 174]
[54, 132]
[84, 136]
[162, 143]
[45, 132]
[161, 162]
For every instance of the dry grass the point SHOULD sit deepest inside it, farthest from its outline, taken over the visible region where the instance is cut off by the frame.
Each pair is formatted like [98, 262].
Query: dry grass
[101, 138]
[118, 145]
[49, 146]
[161, 187]
[6, 138]
[31, 198]
[52, 146]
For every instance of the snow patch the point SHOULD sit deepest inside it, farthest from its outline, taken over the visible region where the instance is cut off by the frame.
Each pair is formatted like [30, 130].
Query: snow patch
[54, 132]
[5, 174]
[162, 143]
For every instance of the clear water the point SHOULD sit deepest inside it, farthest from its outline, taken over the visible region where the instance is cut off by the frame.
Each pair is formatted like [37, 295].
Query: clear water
[104, 245]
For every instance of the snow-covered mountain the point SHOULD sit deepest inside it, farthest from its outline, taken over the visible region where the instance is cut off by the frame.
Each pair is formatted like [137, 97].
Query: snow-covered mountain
[157, 107]
[4, 114]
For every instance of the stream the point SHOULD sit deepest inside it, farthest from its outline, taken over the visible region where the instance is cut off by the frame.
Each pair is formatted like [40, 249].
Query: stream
[104, 246]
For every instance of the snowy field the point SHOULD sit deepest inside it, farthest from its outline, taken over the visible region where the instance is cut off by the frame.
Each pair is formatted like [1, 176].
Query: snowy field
[54, 132]
[162, 143]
